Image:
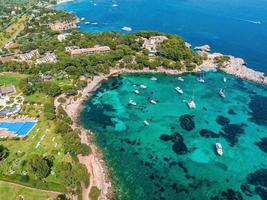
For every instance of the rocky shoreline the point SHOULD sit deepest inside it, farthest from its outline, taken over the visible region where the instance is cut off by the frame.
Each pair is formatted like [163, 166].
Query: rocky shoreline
[94, 162]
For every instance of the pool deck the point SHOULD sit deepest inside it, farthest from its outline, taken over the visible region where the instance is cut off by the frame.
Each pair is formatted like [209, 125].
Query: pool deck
[5, 133]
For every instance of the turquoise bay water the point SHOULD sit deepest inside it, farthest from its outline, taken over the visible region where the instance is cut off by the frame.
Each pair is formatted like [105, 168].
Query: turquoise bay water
[174, 157]
[229, 26]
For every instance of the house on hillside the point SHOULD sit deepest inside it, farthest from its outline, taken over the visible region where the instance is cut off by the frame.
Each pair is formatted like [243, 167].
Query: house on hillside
[49, 58]
[151, 43]
[62, 37]
[29, 55]
[62, 26]
[7, 90]
[93, 50]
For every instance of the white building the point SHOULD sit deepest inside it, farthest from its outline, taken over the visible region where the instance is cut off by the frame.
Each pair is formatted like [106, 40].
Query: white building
[152, 43]
[49, 58]
[29, 55]
[62, 37]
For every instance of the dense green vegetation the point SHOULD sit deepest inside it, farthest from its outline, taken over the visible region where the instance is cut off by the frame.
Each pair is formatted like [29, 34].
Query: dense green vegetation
[4, 152]
[94, 193]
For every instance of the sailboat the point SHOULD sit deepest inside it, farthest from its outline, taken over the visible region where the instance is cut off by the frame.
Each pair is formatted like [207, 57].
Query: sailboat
[191, 103]
[221, 93]
[201, 79]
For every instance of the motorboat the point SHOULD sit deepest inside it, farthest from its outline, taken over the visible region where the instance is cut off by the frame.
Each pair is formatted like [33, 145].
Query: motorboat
[82, 19]
[191, 104]
[224, 79]
[114, 5]
[87, 23]
[136, 91]
[94, 23]
[153, 101]
[219, 148]
[132, 102]
[153, 79]
[142, 86]
[180, 79]
[127, 28]
[221, 93]
[179, 90]
[201, 80]
[146, 123]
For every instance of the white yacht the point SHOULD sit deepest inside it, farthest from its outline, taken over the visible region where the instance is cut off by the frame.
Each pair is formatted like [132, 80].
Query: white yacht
[146, 123]
[127, 28]
[180, 79]
[153, 79]
[201, 80]
[153, 101]
[94, 23]
[132, 102]
[219, 148]
[87, 23]
[221, 93]
[179, 90]
[136, 91]
[82, 19]
[224, 79]
[114, 5]
[142, 86]
[191, 104]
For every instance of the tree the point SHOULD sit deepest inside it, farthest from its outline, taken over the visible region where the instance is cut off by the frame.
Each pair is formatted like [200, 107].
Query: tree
[4, 152]
[49, 111]
[72, 174]
[39, 167]
[94, 193]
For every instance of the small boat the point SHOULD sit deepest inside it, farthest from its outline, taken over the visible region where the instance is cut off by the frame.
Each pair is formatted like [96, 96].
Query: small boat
[191, 104]
[219, 148]
[94, 23]
[136, 91]
[127, 28]
[221, 93]
[114, 5]
[82, 19]
[224, 79]
[132, 102]
[142, 86]
[179, 90]
[201, 80]
[153, 101]
[153, 79]
[180, 79]
[87, 23]
[146, 123]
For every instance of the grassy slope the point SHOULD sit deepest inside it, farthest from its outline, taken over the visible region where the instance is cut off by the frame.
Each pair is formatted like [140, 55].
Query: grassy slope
[12, 30]
[28, 145]
[10, 192]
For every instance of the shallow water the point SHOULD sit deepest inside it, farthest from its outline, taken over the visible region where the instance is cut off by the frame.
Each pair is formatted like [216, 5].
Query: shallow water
[229, 26]
[174, 157]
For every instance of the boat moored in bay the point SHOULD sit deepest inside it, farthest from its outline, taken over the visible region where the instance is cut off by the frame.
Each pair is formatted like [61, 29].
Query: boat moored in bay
[219, 148]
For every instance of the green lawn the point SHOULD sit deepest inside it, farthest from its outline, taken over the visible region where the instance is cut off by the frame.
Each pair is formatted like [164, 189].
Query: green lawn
[10, 192]
[11, 78]
[51, 145]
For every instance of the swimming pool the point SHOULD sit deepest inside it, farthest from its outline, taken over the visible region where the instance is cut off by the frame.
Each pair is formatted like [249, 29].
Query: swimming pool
[20, 128]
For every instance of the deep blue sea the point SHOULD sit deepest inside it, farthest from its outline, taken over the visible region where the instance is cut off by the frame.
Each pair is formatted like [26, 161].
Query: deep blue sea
[236, 27]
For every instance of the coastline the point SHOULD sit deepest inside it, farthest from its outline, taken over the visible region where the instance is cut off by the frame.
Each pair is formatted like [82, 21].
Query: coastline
[94, 163]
